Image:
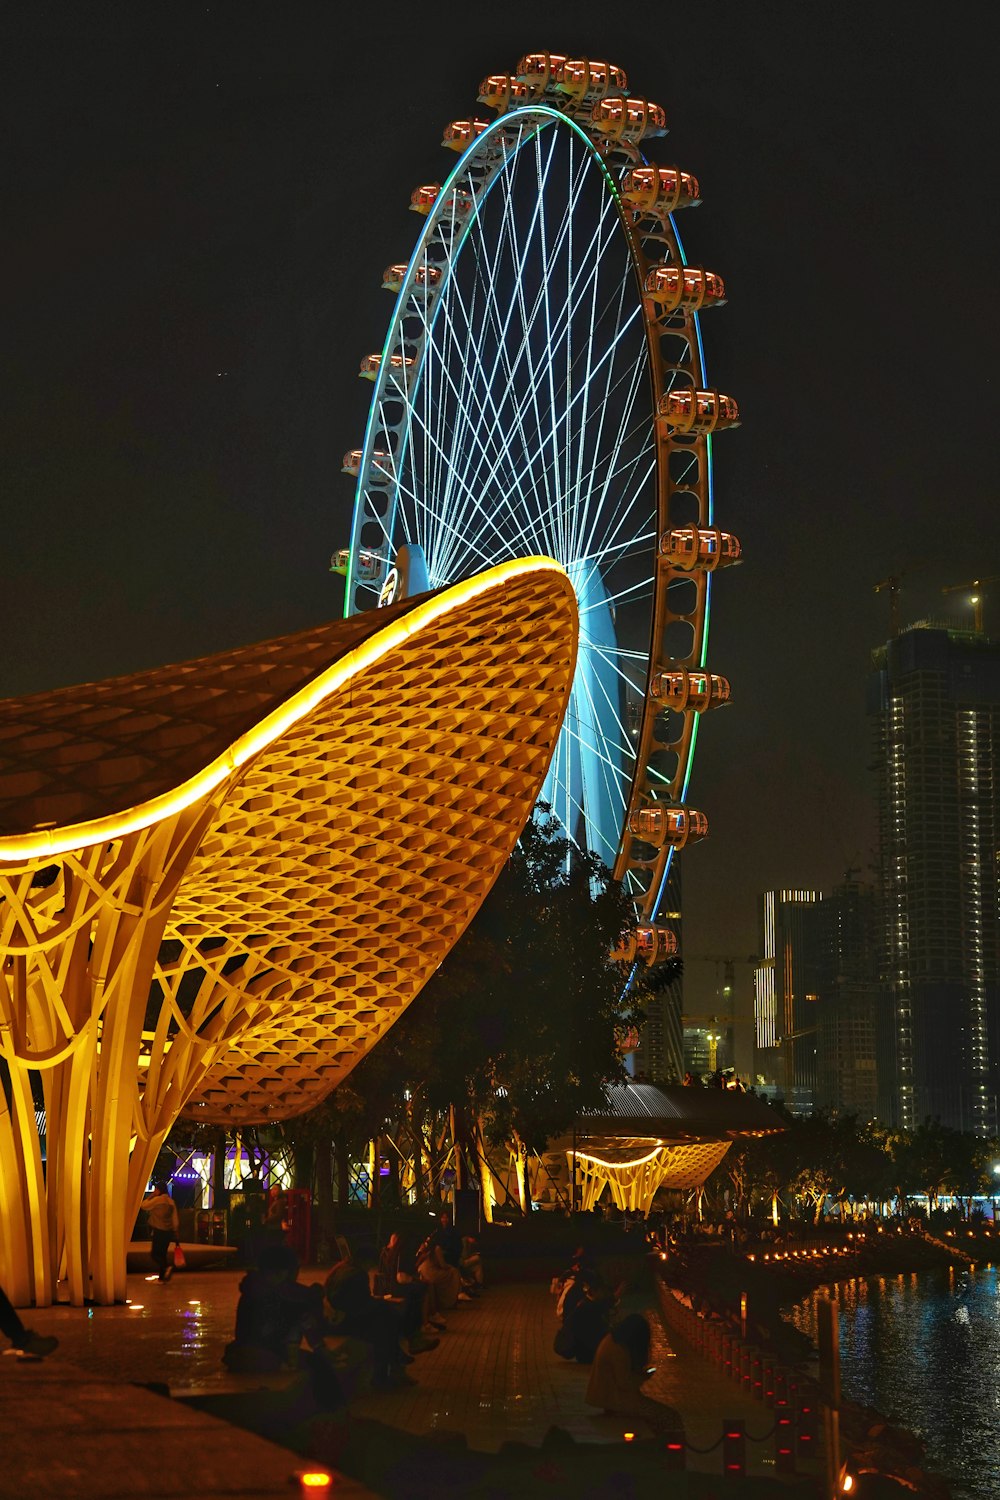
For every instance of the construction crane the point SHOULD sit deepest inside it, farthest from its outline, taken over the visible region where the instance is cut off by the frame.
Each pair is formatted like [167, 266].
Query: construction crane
[974, 589]
[891, 585]
[712, 1026]
[714, 1023]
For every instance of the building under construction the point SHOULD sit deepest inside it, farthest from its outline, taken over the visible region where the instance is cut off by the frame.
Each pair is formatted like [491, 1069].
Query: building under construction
[935, 701]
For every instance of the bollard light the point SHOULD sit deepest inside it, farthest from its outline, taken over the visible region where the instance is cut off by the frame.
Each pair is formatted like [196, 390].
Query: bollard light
[784, 1444]
[676, 1451]
[734, 1449]
[314, 1481]
[806, 1428]
[629, 1437]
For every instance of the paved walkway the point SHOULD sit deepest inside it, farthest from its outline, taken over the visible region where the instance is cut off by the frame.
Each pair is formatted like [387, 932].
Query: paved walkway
[65, 1435]
[494, 1377]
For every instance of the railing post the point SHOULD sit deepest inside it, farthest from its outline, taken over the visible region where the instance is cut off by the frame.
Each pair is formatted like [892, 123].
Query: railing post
[734, 1448]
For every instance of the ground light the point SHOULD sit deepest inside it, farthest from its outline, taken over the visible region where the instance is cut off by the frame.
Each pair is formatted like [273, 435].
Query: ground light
[313, 1481]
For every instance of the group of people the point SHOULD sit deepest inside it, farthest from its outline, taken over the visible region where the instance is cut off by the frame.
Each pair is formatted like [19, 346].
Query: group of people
[393, 1306]
[616, 1347]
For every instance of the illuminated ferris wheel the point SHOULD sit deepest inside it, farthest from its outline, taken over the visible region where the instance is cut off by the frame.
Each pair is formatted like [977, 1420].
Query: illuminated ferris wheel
[542, 390]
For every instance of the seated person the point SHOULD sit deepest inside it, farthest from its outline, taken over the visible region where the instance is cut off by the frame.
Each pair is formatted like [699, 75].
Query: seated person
[621, 1367]
[585, 1320]
[448, 1241]
[471, 1262]
[358, 1314]
[403, 1288]
[274, 1314]
[448, 1238]
[571, 1289]
[444, 1279]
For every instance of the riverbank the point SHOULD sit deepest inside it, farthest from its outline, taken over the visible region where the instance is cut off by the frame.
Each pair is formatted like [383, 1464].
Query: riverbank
[750, 1286]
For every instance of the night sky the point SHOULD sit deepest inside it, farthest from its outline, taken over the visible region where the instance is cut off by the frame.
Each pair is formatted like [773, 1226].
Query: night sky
[199, 204]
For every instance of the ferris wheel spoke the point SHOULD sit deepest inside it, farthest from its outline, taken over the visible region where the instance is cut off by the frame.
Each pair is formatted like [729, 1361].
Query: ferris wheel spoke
[558, 502]
[605, 404]
[483, 556]
[591, 515]
[598, 509]
[611, 658]
[612, 707]
[475, 509]
[532, 464]
[439, 362]
[594, 753]
[489, 418]
[586, 742]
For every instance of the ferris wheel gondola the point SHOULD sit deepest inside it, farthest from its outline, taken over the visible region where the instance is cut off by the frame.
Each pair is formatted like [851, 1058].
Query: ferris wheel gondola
[542, 389]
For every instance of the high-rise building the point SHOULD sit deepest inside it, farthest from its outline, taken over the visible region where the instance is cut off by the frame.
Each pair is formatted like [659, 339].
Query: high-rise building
[785, 993]
[847, 990]
[935, 699]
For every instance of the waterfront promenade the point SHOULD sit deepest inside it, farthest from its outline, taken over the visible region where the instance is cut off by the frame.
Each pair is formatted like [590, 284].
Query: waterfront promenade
[493, 1381]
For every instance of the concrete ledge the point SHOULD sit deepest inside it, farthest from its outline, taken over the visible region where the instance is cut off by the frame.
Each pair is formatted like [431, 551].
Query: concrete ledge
[66, 1436]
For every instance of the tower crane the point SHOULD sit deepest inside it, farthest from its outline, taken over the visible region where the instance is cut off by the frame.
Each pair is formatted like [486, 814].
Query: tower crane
[891, 586]
[713, 1023]
[974, 589]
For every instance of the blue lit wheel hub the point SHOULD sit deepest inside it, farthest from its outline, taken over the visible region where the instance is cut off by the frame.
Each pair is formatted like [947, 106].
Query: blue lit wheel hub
[541, 390]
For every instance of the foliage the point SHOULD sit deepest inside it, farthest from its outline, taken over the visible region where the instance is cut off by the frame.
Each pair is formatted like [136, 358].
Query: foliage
[833, 1157]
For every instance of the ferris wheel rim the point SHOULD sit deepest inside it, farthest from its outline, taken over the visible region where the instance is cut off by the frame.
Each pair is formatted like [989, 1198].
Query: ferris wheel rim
[535, 118]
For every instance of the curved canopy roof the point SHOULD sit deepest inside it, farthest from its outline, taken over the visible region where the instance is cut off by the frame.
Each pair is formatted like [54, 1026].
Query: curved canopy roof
[336, 804]
[637, 1111]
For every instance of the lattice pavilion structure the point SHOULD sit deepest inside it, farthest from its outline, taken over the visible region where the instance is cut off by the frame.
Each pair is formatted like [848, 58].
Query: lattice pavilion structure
[221, 882]
[651, 1138]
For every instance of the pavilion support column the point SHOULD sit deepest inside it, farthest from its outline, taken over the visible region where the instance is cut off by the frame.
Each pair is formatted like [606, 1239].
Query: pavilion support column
[68, 1094]
[15, 1223]
[127, 971]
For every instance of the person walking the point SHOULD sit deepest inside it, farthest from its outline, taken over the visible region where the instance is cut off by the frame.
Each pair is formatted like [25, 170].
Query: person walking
[24, 1340]
[164, 1227]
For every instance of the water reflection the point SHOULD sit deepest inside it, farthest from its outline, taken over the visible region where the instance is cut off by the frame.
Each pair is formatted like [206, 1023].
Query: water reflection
[925, 1348]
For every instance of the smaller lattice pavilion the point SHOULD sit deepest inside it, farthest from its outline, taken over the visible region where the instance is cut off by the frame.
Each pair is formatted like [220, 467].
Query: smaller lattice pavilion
[650, 1138]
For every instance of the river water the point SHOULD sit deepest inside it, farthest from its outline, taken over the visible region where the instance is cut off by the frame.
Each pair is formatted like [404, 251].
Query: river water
[925, 1348]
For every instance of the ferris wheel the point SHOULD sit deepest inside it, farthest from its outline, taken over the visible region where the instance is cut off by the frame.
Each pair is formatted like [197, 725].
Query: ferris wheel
[542, 390]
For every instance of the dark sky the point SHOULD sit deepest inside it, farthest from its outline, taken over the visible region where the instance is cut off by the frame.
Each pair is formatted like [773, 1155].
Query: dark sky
[199, 203]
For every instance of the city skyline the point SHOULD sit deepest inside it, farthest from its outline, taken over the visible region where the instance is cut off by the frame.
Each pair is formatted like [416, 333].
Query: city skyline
[202, 220]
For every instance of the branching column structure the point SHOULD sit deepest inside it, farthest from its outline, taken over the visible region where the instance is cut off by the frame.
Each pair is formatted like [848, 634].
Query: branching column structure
[220, 883]
[634, 1171]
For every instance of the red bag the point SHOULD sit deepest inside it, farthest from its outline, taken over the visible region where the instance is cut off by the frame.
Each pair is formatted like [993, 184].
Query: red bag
[179, 1259]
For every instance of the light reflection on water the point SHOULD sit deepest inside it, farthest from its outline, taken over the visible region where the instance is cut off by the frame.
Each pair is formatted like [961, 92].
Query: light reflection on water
[925, 1348]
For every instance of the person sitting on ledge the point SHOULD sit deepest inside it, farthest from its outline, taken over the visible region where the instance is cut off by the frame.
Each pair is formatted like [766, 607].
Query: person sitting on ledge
[24, 1340]
[274, 1314]
[356, 1313]
[471, 1263]
[444, 1278]
[398, 1280]
[620, 1369]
